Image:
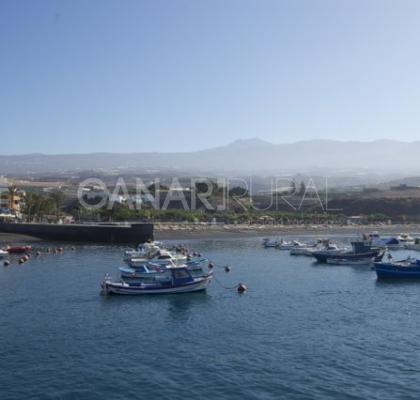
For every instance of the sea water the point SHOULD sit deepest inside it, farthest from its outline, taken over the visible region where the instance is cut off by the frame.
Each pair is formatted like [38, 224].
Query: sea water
[302, 331]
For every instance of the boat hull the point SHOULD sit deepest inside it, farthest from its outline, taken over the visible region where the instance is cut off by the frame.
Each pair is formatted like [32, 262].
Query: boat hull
[122, 288]
[339, 261]
[390, 271]
[323, 256]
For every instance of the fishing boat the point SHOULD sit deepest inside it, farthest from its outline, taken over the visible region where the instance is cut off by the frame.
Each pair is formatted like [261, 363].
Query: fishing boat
[163, 257]
[146, 250]
[308, 250]
[147, 272]
[173, 280]
[404, 269]
[18, 249]
[359, 250]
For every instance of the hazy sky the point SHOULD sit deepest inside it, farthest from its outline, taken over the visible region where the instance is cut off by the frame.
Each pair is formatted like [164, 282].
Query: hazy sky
[83, 76]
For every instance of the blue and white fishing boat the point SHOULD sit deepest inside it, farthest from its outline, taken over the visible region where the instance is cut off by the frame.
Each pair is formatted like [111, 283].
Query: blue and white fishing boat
[162, 257]
[147, 272]
[172, 280]
[144, 250]
[404, 269]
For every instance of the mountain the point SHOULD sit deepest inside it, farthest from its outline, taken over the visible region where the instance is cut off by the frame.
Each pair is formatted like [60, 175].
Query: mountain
[254, 156]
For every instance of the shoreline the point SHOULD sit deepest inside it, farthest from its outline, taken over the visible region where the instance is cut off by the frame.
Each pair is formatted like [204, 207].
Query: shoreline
[182, 231]
[220, 232]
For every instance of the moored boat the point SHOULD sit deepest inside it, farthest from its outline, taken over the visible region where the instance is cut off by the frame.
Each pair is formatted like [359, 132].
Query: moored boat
[310, 249]
[360, 250]
[3, 253]
[404, 269]
[18, 249]
[162, 257]
[405, 238]
[149, 271]
[174, 280]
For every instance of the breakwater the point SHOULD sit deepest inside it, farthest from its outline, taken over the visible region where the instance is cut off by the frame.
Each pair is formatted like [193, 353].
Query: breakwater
[103, 233]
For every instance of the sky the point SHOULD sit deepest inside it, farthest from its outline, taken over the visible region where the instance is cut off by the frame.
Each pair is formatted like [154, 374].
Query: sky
[179, 75]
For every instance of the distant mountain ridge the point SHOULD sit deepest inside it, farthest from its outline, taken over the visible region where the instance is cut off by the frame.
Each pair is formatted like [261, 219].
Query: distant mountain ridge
[245, 156]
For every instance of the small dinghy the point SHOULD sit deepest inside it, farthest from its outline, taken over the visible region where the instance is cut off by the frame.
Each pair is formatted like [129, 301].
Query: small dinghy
[174, 280]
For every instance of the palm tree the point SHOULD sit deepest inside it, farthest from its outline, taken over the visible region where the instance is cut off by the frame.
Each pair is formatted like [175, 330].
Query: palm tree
[57, 198]
[14, 194]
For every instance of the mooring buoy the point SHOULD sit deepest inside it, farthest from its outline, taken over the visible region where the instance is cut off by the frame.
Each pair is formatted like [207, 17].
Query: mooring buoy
[241, 288]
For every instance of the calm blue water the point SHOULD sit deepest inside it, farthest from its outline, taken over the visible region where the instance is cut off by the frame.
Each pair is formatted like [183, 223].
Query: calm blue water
[302, 331]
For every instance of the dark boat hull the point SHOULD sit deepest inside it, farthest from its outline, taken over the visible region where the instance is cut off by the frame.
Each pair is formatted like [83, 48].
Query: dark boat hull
[389, 271]
[322, 256]
[97, 233]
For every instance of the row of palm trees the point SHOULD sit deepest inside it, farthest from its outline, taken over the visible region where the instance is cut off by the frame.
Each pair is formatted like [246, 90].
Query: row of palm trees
[33, 205]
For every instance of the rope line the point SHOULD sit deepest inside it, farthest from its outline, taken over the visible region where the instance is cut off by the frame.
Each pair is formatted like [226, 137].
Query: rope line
[223, 286]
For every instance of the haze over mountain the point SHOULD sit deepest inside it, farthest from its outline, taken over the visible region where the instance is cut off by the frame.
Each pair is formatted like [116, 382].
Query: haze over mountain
[254, 156]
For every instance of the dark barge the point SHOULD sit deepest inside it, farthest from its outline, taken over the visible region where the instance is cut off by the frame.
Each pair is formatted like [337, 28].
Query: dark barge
[99, 233]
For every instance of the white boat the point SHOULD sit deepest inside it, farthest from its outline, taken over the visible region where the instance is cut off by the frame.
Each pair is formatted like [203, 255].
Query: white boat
[405, 238]
[163, 257]
[3, 253]
[146, 250]
[148, 272]
[308, 250]
[174, 280]
[283, 245]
